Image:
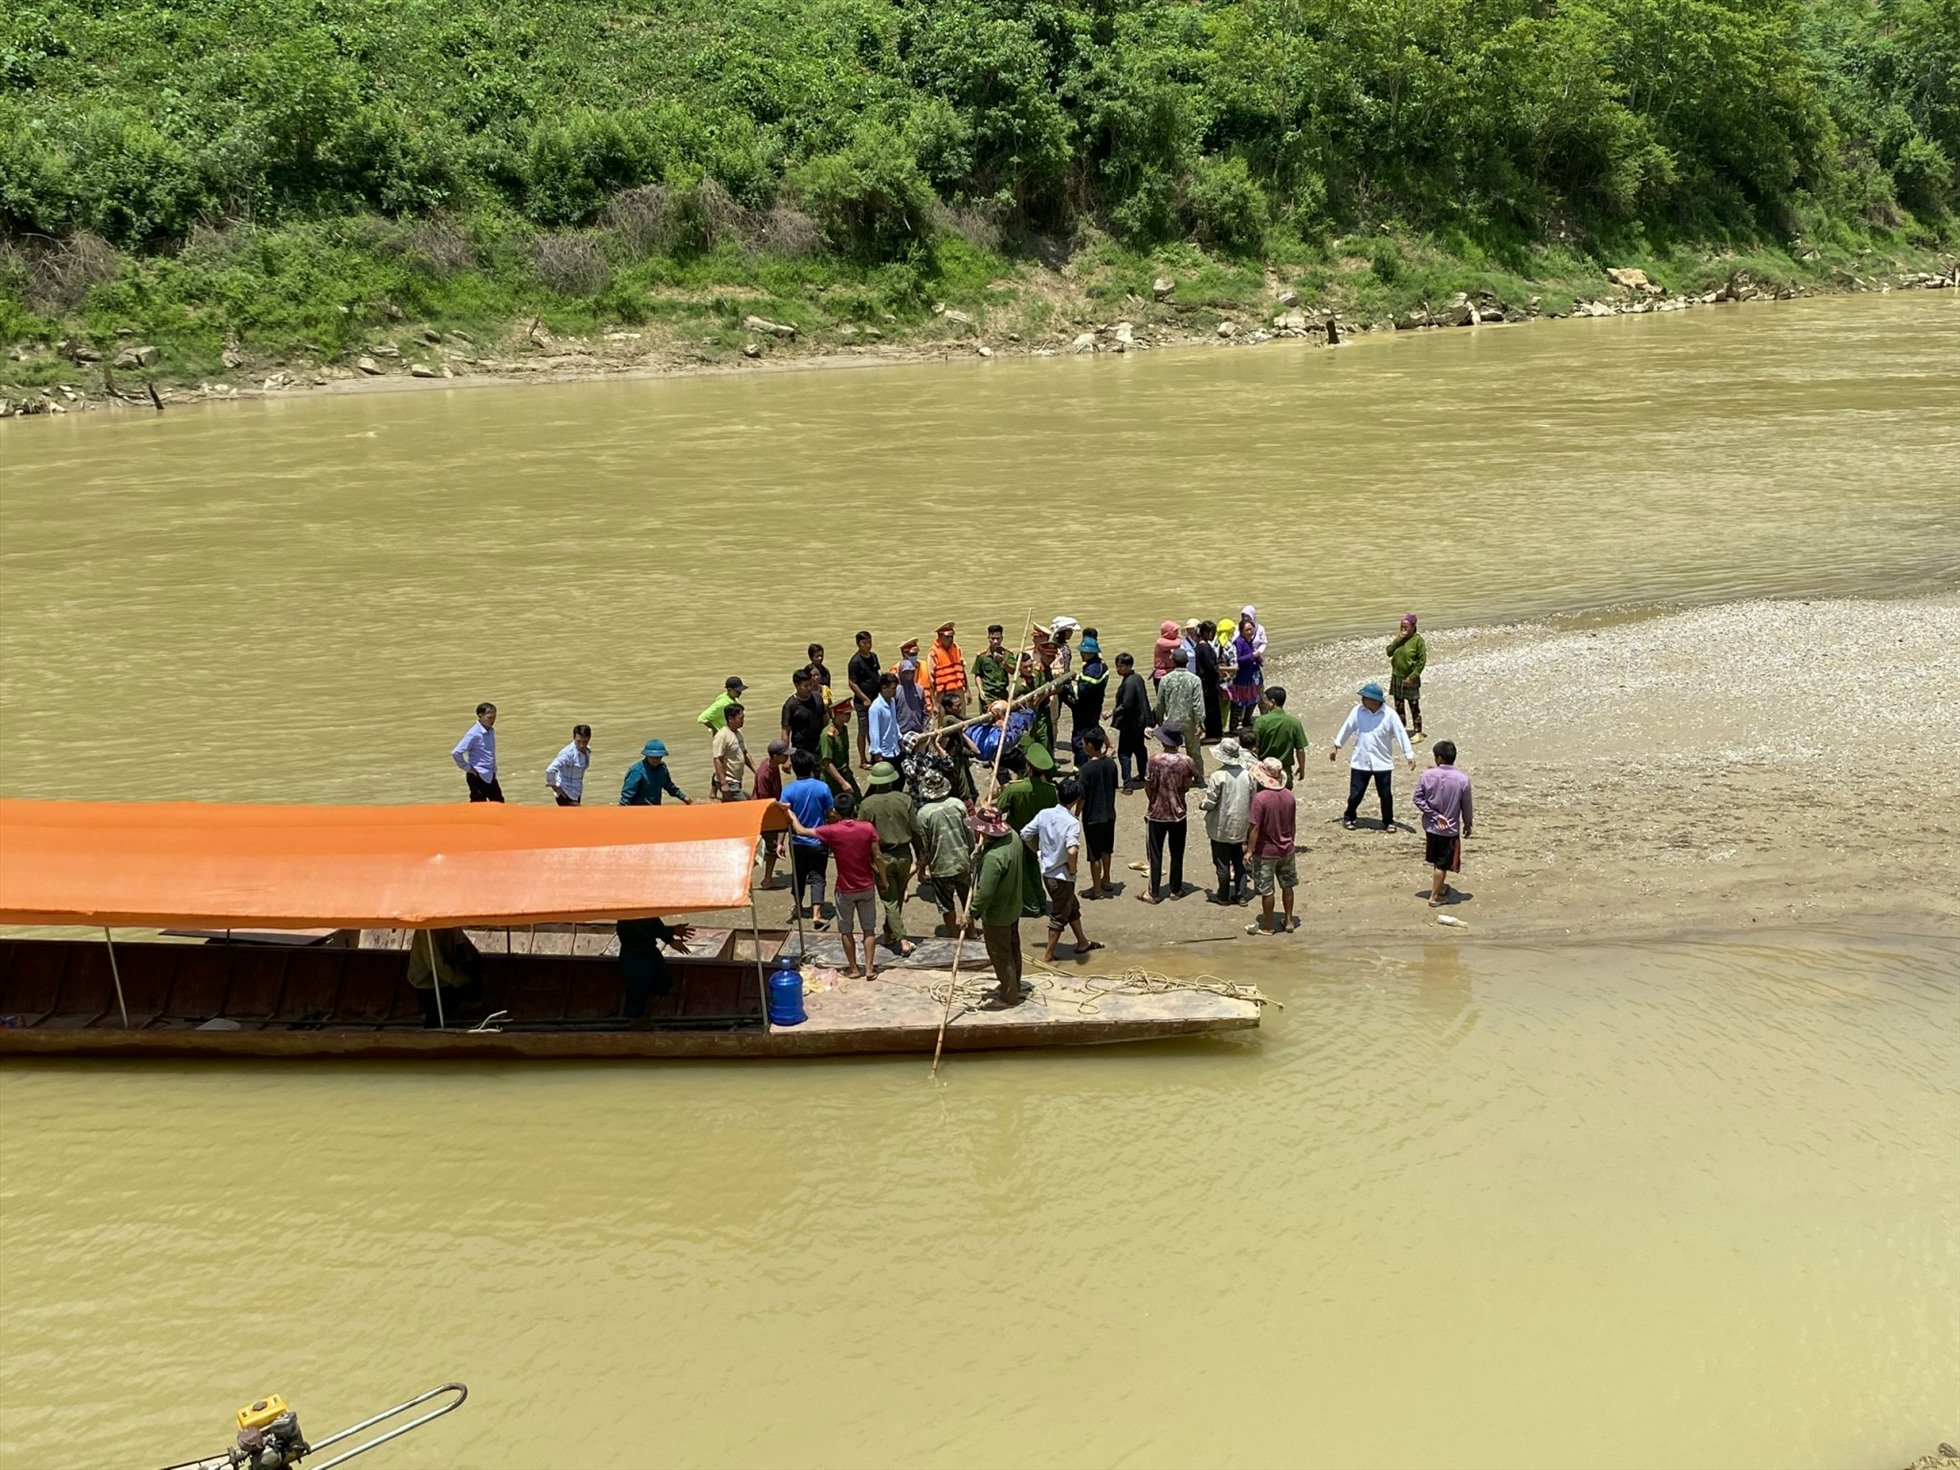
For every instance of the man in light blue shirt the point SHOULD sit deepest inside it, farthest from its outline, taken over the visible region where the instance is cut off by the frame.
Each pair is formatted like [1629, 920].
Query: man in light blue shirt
[881, 719]
[476, 756]
[564, 778]
[1055, 837]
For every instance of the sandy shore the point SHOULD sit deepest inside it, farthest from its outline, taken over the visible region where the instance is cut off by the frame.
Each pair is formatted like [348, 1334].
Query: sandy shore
[1705, 770]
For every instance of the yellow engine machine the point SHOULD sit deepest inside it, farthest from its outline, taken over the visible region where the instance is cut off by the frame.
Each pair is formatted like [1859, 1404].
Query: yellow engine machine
[269, 1437]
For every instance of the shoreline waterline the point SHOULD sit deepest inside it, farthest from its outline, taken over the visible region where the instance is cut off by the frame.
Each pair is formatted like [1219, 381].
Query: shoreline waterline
[575, 369]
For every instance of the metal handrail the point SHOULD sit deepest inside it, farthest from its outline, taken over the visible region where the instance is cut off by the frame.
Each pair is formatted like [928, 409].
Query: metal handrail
[460, 1390]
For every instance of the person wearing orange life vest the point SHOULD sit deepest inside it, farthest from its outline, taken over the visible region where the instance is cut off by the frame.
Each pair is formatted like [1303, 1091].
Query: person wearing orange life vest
[945, 669]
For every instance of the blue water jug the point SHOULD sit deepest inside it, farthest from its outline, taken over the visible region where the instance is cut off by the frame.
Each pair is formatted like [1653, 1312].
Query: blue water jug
[786, 996]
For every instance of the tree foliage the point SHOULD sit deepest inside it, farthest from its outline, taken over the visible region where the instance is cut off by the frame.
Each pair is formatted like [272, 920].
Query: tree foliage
[1218, 121]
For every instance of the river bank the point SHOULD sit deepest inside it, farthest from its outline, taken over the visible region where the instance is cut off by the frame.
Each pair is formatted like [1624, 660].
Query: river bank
[1031, 310]
[1642, 777]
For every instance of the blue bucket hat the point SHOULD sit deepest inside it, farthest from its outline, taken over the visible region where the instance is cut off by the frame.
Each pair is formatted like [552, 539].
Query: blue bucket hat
[655, 747]
[1371, 690]
[1090, 645]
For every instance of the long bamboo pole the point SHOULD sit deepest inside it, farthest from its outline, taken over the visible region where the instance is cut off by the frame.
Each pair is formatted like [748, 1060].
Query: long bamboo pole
[435, 979]
[761, 975]
[116, 975]
[952, 989]
[1045, 691]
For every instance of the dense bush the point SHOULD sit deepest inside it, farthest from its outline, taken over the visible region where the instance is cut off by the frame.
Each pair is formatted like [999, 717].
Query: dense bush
[879, 120]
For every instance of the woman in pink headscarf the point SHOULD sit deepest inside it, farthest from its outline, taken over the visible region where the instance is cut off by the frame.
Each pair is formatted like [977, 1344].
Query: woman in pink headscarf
[1169, 638]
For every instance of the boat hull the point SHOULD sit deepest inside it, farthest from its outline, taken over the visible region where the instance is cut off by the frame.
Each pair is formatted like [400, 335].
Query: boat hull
[526, 1046]
[223, 1000]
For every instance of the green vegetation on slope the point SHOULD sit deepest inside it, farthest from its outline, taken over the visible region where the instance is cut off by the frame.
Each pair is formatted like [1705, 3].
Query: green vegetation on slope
[288, 173]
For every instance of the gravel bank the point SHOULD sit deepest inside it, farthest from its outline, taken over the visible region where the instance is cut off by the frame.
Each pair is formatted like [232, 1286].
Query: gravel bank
[1697, 771]
[1707, 768]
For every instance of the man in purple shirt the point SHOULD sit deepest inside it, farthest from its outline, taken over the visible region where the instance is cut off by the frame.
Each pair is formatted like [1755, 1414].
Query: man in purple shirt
[1443, 798]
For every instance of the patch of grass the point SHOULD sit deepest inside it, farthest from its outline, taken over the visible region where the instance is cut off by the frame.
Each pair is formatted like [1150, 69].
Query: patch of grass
[325, 291]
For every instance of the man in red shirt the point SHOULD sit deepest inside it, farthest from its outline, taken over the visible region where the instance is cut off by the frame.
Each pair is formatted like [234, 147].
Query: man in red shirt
[1166, 779]
[854, 844]
[1269, 845]
[769, 787]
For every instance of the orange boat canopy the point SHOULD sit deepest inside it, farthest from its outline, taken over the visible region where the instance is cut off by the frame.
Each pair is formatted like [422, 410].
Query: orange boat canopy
[301, 867]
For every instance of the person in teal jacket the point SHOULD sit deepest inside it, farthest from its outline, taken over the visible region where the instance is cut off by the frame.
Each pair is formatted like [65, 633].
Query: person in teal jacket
[648, 779]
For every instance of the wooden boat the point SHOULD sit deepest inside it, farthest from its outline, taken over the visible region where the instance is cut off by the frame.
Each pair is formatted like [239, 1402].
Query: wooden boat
[352, 886]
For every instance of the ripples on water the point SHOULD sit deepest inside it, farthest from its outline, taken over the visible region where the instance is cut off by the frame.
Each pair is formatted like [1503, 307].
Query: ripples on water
[1678, 1205]
[305, 600]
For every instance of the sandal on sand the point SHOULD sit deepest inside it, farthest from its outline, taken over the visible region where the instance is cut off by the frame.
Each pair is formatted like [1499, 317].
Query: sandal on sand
[1092, 945]
[1348, 822]
[1255, 927]
[854, 973]
[1148, 898]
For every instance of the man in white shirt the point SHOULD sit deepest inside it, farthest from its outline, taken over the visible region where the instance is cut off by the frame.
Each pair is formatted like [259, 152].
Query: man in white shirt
[564, 778]
[476, 755]
[1055, 834]
[1377, 734]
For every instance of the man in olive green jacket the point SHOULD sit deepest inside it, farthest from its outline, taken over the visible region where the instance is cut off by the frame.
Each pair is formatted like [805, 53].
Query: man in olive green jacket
[997, 901]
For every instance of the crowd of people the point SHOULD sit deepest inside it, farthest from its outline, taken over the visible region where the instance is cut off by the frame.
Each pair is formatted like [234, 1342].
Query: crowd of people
[997, 783]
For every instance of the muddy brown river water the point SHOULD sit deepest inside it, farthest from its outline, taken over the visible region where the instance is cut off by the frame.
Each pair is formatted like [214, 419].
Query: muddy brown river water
[1678, 1202]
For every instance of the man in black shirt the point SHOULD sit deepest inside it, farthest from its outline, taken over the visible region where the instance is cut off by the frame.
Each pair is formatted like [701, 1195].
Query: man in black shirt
[1096, 775]
[1131, 717]
[803, 713]
[863, 672]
